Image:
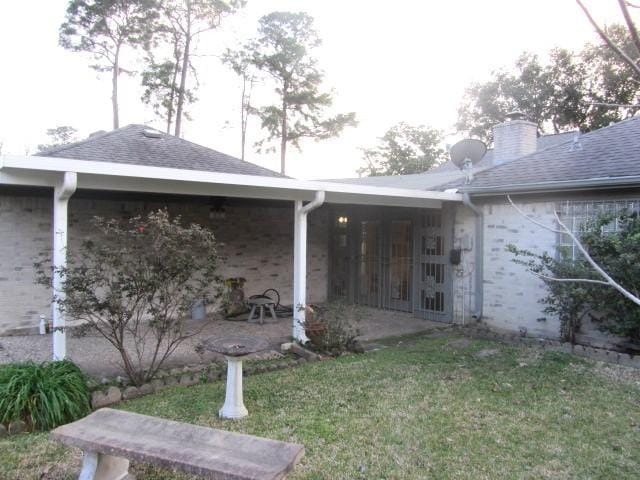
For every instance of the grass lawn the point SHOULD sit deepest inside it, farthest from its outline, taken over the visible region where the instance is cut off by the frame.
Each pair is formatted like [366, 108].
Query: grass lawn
[422, 408]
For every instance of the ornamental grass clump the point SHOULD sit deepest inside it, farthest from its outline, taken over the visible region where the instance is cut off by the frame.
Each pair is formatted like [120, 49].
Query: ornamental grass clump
[43, 395]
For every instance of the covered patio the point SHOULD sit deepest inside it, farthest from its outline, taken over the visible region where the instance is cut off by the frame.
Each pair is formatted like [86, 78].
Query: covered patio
[65, 178]
[96, 357]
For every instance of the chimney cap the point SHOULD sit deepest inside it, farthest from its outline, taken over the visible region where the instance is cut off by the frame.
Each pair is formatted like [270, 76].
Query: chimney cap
[515, 115]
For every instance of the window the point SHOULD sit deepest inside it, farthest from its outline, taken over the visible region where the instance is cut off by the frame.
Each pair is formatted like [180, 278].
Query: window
[576, 214]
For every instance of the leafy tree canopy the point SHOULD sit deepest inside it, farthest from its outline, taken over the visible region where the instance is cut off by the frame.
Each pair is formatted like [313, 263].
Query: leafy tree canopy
[103, 28]
[566, 91]
[169, 84]
[59, 136]
[283, 50]
[404, 149]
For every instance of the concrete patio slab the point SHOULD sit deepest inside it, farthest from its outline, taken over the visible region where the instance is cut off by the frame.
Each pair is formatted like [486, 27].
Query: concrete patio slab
[99, 359]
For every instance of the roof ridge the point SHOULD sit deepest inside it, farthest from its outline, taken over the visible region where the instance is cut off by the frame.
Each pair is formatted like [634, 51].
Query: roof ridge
[560, 144]
[197, 145]
[94, 136]
[524, 157]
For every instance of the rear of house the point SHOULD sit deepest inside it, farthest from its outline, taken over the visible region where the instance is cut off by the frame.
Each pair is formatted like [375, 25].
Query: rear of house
[431, 244]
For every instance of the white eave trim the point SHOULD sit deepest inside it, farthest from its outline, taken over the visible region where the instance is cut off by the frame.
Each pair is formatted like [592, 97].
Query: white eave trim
[45, 171]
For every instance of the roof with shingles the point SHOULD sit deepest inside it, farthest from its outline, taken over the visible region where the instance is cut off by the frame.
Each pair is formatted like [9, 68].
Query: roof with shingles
[446, 173]
[607, 153]
[130, 145]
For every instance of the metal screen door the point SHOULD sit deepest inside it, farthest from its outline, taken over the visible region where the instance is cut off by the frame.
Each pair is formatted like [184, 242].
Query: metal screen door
[369, 267]
[400, 265]
[433, 283]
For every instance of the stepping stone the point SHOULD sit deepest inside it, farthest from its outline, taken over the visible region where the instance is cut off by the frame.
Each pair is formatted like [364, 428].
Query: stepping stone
[486, 352]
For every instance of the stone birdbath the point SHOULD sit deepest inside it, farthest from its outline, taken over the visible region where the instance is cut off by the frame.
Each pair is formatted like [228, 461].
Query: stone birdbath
[235, 348]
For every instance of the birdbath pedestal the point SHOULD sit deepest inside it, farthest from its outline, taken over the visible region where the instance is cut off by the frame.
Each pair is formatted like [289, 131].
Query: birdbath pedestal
[235, 348]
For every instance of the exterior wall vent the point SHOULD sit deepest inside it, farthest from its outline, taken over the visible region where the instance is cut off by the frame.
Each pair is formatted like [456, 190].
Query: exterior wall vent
[152, 133]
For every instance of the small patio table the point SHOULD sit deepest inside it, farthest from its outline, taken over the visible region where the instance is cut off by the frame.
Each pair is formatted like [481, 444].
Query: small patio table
[261, 303]
[235, 348]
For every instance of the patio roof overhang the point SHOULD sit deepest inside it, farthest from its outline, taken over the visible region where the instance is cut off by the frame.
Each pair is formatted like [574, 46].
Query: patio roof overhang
[65, 176]
[48, 172]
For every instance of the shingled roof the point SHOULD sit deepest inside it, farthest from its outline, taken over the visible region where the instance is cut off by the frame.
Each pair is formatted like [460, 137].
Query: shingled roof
[608, 154]
[446, 173]
[131, 145]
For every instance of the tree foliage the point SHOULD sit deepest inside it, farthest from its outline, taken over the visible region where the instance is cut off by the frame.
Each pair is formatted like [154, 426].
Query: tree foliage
[283, 50]
[404, 149]
[565, 91]
[240, 63]
[618, 253]
[104, 28]
[59, 136]
[569, 301]
[168, 81]
[136, 284]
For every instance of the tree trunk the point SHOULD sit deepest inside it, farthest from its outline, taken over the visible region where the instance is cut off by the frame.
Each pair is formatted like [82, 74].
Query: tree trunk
[243, 117]
[185, 71]
[114, 88]
[283, 132]
[172, 95]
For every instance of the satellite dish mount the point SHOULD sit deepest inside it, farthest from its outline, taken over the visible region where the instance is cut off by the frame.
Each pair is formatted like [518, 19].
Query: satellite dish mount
[465, 154]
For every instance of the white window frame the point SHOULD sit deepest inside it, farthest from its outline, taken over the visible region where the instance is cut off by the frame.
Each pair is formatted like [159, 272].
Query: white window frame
[576, 213]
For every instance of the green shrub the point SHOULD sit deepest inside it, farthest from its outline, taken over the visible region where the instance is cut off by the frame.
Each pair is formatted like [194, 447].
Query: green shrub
[43, 395]
[332, 328]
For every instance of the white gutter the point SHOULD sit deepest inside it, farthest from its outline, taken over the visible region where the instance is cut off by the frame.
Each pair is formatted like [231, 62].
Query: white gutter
[562, 185]
[61, 195]
[43, 171]
[479, 252]
[300, 263]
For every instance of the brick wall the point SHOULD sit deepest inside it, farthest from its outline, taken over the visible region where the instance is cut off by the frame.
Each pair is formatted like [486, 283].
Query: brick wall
[513, 139]
[511, 294]
[257, 243]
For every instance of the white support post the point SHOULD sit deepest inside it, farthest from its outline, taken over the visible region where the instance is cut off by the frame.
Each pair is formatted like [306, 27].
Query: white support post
[62, 193]
[300, 264]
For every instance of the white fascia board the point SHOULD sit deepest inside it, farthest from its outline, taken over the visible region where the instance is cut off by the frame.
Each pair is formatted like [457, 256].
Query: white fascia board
[20, 170]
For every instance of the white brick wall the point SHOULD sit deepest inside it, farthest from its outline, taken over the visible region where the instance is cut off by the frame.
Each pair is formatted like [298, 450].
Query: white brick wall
[511, 294]
[513, 139]
[257, 244]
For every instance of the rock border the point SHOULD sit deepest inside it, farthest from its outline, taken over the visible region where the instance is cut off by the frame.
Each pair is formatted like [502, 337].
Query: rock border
[593, 353]
[116, 390]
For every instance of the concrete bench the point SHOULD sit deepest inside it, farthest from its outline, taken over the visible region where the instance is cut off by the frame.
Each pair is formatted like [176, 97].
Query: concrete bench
[110, 438]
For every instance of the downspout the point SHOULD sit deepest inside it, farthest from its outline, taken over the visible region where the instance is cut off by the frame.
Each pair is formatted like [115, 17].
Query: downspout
[479, 250]
[300, 263]
[61, 195]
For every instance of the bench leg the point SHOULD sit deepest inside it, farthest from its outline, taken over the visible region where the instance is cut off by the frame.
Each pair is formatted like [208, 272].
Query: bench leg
[253, 310]
[261, 314]
[234, 400]
[273, 313]
[96, 466]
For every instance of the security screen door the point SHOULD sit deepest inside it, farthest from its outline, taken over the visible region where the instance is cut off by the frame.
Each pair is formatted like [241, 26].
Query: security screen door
[433, 277]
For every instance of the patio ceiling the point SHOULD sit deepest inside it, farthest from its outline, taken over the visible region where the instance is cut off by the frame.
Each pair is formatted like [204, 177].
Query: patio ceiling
[47, 172]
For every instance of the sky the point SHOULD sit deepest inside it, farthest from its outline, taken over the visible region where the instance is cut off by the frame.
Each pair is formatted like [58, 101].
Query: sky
[406, 60]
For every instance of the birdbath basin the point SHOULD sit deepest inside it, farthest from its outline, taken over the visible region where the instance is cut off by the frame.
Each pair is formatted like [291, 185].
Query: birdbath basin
[235, 348]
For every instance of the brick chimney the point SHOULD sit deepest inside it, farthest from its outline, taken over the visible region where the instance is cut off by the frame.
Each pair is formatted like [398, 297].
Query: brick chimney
[514, 138]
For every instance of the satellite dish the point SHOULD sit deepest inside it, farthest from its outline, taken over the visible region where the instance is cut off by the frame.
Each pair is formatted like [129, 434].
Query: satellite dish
[468, 149]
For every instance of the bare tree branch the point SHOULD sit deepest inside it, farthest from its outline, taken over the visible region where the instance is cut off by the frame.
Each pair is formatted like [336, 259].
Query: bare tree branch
[542, 225]
[565, 230]
[633, 32]
[554, 279]
[626, 58]
[614, 105]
